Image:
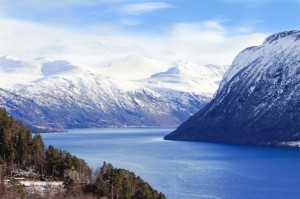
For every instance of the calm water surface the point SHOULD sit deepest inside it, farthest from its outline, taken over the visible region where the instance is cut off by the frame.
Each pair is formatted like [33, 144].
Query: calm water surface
[188, 169]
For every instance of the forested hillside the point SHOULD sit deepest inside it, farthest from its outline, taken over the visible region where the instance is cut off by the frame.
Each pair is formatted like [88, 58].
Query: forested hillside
[21, 153]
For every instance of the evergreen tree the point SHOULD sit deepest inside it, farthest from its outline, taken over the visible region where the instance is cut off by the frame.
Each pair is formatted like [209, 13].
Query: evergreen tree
[18, 148]
[38, 152]
[100, 188]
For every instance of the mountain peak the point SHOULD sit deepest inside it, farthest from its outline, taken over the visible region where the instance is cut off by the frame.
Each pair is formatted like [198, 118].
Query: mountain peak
[182, 63]
[258, 100]
[191, 69]
[179, 68]
[280, 35]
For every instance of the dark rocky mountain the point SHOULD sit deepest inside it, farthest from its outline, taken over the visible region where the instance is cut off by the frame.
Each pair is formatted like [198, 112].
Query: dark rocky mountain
[258, 102]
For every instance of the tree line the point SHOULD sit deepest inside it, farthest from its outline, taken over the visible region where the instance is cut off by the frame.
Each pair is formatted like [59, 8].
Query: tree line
[20, 150]
[120, 184]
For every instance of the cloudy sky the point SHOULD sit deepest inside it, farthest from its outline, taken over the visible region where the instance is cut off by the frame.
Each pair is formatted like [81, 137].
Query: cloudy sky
[95, 32]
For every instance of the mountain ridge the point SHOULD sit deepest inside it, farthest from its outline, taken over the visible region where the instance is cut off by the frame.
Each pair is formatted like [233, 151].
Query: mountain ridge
[256, 103]
[72, 96]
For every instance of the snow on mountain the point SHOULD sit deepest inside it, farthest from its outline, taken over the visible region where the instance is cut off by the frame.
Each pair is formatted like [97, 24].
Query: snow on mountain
[15, 71]
[23, 109]
[189, 77]
[275, 47]
[80, 98]
[186, 85]
[258, 101]
[136, 93]
[9, 63]
[133, 67]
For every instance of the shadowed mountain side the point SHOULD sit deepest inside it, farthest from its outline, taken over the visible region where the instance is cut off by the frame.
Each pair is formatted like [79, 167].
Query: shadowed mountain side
[258, 102]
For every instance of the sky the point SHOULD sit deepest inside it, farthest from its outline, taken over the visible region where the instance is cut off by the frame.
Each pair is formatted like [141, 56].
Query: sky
[96, 32]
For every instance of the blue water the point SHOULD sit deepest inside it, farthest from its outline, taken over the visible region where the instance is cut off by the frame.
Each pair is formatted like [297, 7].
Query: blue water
[188, 169]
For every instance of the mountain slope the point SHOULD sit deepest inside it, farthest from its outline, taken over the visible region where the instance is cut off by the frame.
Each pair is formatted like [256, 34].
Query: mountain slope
[188, 77]
[80, 98]
[186, 85]
[65, 95]
[258, 101]
[21, 108]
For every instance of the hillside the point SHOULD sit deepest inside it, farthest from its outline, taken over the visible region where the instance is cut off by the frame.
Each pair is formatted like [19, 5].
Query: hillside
[258, 100]
[25, 160]
[64, 95]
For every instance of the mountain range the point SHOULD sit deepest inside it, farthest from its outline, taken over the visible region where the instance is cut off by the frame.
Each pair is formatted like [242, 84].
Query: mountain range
[57, 94]
[258, 101]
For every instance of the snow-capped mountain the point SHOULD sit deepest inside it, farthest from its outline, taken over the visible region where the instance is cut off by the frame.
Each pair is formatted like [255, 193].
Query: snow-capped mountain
[15, 71]
[9, 64]
[134, 67]
[80, 98]
[23, 109]
[186, 85]
[64, 95]
[258, 101]
[188, 77]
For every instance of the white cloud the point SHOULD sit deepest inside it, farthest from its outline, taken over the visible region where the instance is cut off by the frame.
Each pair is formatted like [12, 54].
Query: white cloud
[139, 8]
[243, 30]
[257, 21]
[130, 22]
[203, 46]
[213, 25]
[206, 31]
[185, 41]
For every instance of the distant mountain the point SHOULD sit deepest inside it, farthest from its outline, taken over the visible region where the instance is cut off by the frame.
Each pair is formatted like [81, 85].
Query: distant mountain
[15, 71]
[11, 64]
[25, 110]
[81, 98]
[186, 85]
[258, 101]
[188, 77]
[65, 95]
[133, 68]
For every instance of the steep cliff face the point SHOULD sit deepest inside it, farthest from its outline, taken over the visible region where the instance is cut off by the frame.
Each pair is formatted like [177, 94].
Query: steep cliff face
[258, 101]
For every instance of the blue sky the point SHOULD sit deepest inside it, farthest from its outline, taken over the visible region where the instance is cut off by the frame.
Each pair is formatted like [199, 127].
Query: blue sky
[157, 16]
[132, 21]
